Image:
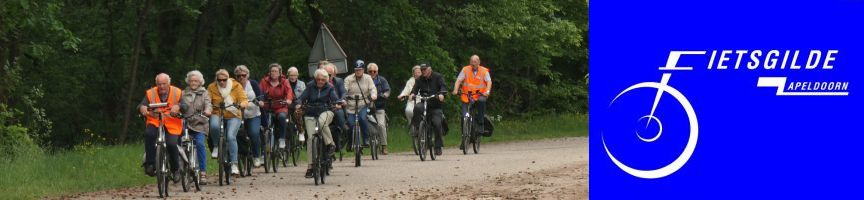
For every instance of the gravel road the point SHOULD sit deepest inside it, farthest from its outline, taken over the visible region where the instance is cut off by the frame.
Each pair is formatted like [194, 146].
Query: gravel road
[541, 169]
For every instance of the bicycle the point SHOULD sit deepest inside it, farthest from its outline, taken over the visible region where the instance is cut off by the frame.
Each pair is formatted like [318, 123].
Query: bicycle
[356, 134]
[469, 132]
[294, 143]
[423, 136]
[223, 162]
[272, 154]
[162, 171]
[320, 160]
[189, 156]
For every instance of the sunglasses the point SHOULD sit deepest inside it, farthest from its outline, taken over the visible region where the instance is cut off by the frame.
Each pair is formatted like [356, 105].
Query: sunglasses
[222, 80]
[373, 71]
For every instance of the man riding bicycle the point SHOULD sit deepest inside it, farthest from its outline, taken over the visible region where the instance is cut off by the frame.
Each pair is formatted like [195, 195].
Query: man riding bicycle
[360, 84]
[321, 93]
[430, 83]
[475, 79]
[164, 92]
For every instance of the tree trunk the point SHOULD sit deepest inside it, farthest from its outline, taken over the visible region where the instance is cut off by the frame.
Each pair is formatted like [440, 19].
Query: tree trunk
[275, 10]
[142, 18]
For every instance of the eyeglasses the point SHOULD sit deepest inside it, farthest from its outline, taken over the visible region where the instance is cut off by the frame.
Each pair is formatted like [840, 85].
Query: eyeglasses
[242, 75]
[222, 80]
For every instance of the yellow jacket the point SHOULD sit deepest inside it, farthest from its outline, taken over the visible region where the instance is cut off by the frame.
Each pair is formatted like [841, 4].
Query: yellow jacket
[238, 93]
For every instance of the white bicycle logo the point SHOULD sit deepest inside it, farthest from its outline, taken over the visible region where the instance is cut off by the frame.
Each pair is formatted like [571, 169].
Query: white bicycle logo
[679, 162]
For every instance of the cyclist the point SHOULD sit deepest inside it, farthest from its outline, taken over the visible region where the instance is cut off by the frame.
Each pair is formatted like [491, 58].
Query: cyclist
[197, 103]
[227, 91]
[430, 83]
[252, 113]
[339, 87]
[299, 86]
[318, 92]
[409, 106]
[360, 84]
[476, 79]
[164, 92]
[383, 88]
[279, 92]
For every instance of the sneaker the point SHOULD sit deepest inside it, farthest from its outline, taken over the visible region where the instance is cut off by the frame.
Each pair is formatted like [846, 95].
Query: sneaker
[258, 162]
[383, 149]
[215, 153]
[281, 143]
[202, 178]
[331, 149]
[438, 151]
[235, 170]
[462, 146]
[301, 137]
[308, 173]
[150, 170]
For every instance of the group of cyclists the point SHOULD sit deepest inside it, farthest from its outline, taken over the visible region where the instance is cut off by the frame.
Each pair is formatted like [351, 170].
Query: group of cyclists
[231, 101]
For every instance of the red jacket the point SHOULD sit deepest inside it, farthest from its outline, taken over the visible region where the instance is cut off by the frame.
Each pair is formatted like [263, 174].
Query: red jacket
[281, 92]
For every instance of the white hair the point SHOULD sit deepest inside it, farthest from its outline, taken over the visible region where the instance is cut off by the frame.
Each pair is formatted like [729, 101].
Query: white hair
[163, 75]
[371, 65]
[194, 73]
[323, 73]
[293, 69]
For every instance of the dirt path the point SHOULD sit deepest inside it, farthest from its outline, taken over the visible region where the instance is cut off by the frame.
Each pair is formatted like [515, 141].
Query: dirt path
[544, 169]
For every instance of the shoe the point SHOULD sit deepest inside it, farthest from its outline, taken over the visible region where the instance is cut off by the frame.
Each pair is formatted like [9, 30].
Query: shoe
[383, 149]
[331, 149]
[258, 162]
[281, 143]
[202, 178]
[235, 170]
[176, 176]
[462, 146]
[438, 151]
[301, 137]
[366, 144]
[308, 173]
[150, 170]
[215, 153]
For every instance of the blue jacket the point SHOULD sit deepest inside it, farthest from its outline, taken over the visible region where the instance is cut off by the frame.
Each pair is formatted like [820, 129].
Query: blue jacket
[314, 95]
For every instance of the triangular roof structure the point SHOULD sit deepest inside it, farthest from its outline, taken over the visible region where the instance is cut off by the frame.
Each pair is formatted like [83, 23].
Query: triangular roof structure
[326, 48]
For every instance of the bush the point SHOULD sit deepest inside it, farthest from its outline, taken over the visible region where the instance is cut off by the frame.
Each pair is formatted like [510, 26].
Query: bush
[14, 140]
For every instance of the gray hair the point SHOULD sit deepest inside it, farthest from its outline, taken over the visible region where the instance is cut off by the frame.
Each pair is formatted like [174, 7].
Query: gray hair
[416, 67]
[293, 69]
[194, 73]
[323, 73]
[272, 65]
[241, 68]
[371, 65]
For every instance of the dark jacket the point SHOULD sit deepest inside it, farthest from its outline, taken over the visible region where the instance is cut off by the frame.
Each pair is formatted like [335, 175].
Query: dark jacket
[382, 86]
[339, 85]
[430, 86]
[314, 95]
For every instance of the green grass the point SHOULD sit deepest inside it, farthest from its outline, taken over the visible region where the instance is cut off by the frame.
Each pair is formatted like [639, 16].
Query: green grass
[99, 168]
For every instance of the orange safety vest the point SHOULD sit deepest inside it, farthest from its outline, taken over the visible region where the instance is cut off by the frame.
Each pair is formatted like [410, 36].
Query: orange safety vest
[173, 124]
[474, 82]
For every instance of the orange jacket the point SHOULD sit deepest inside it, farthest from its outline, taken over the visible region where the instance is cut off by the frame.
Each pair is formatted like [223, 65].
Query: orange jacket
[174, 125]
[475, 83]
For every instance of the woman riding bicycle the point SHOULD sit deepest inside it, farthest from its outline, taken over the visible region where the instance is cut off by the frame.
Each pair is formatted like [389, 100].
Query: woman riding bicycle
[197, 103]
[252, 113]
[409, 105]
[319, 93]
[227, 91]
[278, 91]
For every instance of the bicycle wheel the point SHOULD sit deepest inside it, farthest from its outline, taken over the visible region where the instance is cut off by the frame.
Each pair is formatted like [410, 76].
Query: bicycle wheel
[161, 180]
[194, 173]
[184, 177]
[357, 144]
[476, 142]
[266, 149]
[316, 160]
[373, 142]
[414, 142]
[430, 140]
[466, 134]
[295, 153]
[421, 140]
[322, 160]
